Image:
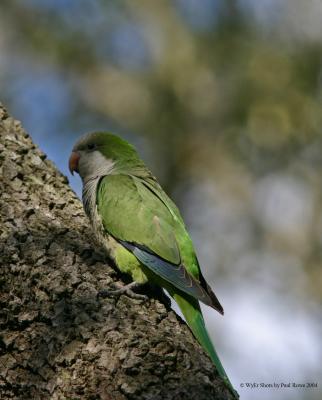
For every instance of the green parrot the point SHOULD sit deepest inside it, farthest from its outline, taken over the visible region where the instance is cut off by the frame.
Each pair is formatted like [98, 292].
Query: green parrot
[142, 229]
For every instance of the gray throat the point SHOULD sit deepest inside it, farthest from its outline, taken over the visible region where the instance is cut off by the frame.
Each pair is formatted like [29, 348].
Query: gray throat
[89, 193]
[89, 196]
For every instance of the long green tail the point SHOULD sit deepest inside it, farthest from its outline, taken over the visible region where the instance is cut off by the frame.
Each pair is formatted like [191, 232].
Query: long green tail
[193, 315]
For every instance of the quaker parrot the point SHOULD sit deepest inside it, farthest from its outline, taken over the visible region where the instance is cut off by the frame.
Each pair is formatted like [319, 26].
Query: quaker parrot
[142, 229]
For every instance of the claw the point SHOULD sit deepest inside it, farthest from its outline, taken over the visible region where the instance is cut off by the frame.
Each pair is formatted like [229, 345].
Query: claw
[127, 289]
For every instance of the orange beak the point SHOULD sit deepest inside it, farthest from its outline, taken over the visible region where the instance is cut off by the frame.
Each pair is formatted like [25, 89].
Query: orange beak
[73, 162]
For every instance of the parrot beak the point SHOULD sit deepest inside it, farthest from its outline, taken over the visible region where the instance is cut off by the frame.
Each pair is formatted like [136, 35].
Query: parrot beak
[73, 162]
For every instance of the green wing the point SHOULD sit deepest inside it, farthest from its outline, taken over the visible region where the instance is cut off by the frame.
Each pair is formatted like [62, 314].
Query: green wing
[144, 220]
[132, 213]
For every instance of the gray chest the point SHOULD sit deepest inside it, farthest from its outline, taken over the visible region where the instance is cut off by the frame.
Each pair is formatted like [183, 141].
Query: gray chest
[90, 206]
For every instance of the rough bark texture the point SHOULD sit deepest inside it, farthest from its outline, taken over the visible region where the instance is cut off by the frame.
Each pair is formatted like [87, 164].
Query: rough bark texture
[57, 340]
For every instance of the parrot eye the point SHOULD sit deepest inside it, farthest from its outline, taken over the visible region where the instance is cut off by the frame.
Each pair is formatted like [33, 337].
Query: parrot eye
[91, 146]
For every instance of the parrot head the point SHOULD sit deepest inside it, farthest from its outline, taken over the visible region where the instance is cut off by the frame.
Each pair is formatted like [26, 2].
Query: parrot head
[98, 153]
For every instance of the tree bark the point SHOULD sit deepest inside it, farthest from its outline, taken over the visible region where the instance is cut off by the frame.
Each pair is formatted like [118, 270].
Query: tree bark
[57, 340]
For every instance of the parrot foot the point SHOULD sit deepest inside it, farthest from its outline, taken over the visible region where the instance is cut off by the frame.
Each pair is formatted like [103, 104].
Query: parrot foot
[127, 290]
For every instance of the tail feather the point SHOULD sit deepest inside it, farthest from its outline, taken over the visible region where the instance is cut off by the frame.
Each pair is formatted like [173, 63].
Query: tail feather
[193, 315]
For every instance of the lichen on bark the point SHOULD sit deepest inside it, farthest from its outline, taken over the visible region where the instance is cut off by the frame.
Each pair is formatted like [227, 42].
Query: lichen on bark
[57, 339]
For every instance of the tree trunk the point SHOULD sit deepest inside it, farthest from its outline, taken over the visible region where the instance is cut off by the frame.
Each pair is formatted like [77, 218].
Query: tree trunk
[57, 340]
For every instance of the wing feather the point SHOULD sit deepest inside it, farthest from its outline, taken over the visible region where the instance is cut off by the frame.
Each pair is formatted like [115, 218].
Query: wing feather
[177, 275]
[139, 217]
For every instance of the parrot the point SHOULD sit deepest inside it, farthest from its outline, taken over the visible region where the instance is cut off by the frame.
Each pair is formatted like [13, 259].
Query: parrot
[142, 229]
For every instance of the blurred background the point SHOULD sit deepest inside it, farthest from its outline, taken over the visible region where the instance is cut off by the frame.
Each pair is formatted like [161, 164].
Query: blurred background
[223, 100]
